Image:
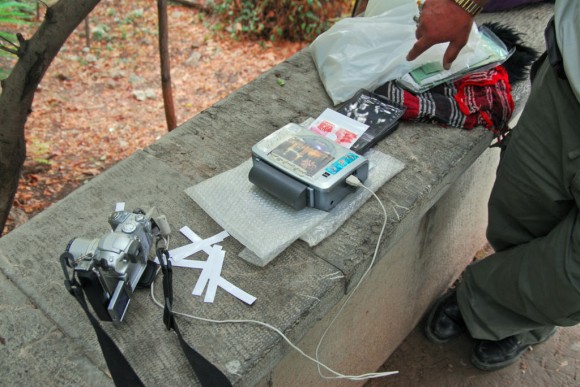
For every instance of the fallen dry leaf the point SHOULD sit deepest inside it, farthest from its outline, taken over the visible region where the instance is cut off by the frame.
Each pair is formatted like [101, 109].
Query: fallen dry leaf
[85, 114]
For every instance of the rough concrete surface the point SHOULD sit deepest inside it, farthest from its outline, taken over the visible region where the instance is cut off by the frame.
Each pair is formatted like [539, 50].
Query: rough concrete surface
[33, 351]
[400, 287]
[46, 340]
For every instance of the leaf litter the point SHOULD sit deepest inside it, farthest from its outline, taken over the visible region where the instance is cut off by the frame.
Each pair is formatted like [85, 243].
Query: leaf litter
[97, 105]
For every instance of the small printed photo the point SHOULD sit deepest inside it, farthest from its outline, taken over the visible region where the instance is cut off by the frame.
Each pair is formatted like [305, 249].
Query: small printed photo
[345, 137]
[338, 128]
[301, 155]
[324, 127]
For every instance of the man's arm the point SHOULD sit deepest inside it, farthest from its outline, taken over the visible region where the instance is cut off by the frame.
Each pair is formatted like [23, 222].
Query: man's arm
[444, 21]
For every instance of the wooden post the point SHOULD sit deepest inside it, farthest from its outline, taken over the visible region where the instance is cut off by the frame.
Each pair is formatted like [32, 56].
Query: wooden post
[165, 66]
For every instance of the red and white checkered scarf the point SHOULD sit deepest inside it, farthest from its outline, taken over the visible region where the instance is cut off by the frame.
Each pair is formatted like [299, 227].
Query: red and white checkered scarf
[478, 99]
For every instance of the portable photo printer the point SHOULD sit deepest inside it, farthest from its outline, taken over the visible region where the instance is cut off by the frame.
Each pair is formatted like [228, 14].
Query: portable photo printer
[301, 168]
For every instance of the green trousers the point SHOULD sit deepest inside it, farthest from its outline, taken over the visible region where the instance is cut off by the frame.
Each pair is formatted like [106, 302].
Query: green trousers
[532, 282]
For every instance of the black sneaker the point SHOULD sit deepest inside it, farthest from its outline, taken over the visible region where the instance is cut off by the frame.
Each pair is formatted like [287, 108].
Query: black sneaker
[444, 320]
[492, 355]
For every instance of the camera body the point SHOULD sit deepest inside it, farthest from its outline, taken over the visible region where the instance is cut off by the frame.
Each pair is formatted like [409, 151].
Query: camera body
[110, 268]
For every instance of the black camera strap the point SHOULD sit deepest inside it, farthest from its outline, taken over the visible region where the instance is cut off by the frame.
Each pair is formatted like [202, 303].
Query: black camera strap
[121, 371]
[207, 373]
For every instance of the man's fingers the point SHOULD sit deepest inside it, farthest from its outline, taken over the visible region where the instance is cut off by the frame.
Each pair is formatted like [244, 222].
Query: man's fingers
[451, 54]
[418, 33]
[420, 47]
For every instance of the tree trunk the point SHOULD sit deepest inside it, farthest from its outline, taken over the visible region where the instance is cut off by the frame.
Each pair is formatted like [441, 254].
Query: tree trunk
[35, 55]
[165, 66]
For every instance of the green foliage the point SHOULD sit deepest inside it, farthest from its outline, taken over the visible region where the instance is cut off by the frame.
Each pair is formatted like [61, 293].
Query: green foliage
[16, 12]
[40, 149]
[101, 32]
[12, 13]
[134, 15]
[294, 20]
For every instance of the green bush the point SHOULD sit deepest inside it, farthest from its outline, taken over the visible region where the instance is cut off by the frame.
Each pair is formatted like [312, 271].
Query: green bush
[294, 20]
[13, 13]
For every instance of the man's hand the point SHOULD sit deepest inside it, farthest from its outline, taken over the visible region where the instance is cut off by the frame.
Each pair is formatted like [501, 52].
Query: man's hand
[442, 21]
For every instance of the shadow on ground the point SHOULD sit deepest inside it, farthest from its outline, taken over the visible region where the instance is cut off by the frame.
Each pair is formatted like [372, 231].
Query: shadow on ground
[422, 363]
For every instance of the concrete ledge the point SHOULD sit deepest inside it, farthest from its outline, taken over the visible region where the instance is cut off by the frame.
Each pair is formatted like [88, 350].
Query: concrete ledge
[418, 266]
[430, 237]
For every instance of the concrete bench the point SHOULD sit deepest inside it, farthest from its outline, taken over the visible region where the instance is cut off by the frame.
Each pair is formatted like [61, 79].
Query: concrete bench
[431, 236]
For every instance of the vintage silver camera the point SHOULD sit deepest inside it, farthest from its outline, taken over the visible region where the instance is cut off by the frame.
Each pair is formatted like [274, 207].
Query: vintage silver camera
[110, 268]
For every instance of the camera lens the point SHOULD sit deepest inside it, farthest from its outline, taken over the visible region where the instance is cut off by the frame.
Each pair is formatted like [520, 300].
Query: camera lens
[69, 244]
[79, 247]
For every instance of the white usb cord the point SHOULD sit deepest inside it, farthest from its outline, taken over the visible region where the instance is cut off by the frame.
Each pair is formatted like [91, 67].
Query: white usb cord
[353, 181]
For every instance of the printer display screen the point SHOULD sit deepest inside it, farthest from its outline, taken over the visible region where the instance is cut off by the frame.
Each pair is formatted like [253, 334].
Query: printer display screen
[304, 156]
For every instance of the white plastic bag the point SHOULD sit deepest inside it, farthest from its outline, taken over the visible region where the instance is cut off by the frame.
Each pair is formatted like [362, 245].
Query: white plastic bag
[376, 7]
[365, 52]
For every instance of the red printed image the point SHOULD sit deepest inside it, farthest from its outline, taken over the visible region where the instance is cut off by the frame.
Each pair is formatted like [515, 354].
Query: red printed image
[338, 128]
[345, 137]
[323, 128]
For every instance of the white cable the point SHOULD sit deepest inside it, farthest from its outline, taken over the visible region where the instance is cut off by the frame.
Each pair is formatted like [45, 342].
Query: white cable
[351, 180]
[246, 322]
[355, 182]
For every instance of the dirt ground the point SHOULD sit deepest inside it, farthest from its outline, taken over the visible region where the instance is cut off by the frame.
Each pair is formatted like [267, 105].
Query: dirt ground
[422, 363]
[101, 98]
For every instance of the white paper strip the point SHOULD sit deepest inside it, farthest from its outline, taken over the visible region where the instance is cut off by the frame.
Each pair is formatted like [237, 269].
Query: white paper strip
[184, 251]
[188, 264]
[190, 234]
[235, 291]
[120, 206]
[207, 271]
[210, 276]
[192, 248]
[214, 277]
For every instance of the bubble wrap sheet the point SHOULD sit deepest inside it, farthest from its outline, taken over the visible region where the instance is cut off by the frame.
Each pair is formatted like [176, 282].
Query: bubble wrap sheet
[266, 226]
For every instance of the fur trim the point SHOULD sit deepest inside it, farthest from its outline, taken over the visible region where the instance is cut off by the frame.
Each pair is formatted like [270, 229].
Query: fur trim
[519, 63]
